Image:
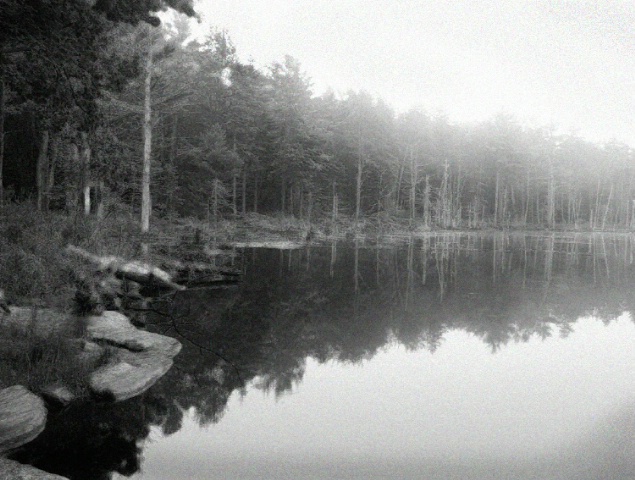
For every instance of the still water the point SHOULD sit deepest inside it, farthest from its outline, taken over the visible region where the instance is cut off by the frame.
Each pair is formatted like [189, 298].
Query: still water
[445, 357]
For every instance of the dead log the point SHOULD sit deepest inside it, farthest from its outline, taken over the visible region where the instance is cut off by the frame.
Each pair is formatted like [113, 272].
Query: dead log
[200, 273]
[136, 271]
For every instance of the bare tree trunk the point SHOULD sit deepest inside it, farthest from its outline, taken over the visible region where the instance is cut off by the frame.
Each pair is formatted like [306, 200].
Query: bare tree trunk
[71, 189]
[496, 197]
[426, 203]
[244, 190]
[50, 181]
[402, 167]
[301, 203]
[146, 205]
[256, 194]
[172, 161]
[413, 186]
[84, 159]
[597, 205]
[291, 201]
[360, 166]
[42, 169]
[527, 202]
[457, 210]
[358, 193]
[3, 100]
[608, 204]
[215, 204]
[234, 193]
[356, 265]
[335, 205]
[100, 199]
[551, 198]
[283, 193]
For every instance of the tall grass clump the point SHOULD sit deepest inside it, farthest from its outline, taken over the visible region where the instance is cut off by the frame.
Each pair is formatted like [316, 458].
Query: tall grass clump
[33, 267]
[36, 272]
[36, 361]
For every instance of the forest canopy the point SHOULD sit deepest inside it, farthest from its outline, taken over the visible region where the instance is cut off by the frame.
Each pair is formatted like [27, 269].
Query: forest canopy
[103, 93]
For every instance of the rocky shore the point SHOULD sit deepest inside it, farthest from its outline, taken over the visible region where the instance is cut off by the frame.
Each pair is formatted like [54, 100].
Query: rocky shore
[123, 361]
[111, 359]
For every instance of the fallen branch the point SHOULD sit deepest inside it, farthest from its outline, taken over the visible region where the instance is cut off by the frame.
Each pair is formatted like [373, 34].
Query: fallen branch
[140, 272]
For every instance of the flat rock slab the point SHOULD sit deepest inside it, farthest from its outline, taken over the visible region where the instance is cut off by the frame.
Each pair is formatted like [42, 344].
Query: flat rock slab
[22, 417]
[123, 380]
[115, 329]
[11, 470]
[274, 244]
[141, 358]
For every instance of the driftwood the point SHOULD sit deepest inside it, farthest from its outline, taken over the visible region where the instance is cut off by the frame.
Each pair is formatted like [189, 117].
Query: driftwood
[200, 273]
[136, 271]
[273, 244]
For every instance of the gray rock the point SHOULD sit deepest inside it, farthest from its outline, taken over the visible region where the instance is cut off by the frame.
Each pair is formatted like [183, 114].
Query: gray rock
[122, 380]
[115, 329]
[22, 417]
[11, 470]
[58, 395]
[139, 360]
[89, 352]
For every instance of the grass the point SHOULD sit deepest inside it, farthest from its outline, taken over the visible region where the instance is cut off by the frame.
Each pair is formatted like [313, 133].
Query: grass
[34, 271]
[35, 362]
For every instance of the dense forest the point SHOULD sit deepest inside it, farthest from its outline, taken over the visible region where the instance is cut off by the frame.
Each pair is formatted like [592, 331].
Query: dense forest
[99, 100]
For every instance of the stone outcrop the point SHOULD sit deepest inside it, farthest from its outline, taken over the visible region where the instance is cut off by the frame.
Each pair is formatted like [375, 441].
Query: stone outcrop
[137, 359]
[11, 470]
[121, 380]
[22, 417]
[115, 329]
[123, 360]
[57, 395]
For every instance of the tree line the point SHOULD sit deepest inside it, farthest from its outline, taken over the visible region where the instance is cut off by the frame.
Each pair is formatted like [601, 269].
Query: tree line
[96, 96]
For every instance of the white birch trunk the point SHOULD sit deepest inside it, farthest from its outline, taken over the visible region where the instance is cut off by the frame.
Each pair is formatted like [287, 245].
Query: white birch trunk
[146, 205]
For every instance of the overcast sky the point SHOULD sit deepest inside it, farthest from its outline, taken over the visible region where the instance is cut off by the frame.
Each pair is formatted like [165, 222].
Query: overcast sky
[570, 63]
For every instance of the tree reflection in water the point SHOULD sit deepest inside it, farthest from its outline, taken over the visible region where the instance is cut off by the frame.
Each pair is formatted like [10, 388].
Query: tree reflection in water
[344, 302]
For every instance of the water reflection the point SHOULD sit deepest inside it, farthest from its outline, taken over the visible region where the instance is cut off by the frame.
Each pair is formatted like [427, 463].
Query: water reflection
[301, 313]
[541, 409]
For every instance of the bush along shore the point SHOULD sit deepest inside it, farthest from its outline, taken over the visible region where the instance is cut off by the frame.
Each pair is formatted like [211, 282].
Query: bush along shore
[70, 322]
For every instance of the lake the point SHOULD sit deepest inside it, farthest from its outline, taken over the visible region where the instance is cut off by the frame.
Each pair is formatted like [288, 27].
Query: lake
[456, 356]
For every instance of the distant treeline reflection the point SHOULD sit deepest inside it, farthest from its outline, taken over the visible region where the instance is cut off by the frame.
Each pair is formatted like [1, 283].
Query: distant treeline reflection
[348, 300]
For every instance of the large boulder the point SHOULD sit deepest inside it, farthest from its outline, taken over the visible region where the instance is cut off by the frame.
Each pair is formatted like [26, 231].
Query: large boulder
[22, 417]
[11, 470]
[114, 328]
[121, 380]
[58, 395]
[139, 358]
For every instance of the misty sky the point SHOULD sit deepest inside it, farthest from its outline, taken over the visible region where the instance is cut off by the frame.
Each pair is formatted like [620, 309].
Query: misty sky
[570, 63]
